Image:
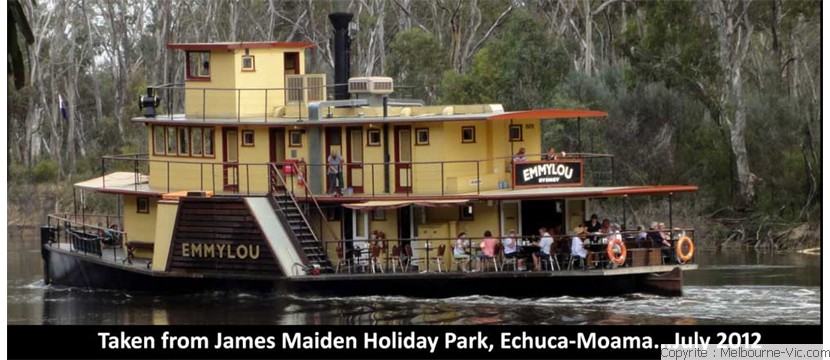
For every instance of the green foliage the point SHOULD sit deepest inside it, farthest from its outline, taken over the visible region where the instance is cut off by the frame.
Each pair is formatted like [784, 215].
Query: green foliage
[45, 171]
[519, 69]
[416, 59]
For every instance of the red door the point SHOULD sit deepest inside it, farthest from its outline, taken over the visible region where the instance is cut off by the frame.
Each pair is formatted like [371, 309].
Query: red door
[403, 159]
[230, 156]
[354, 157]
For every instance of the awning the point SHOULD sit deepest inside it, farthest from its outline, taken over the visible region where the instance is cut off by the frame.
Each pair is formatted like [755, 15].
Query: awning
[394, 204]
[116, 181]
[548, 114]
[180, 194]
[581, 191]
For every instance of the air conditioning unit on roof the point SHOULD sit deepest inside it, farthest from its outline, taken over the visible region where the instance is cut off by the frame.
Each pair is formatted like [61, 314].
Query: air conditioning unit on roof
[371, 85]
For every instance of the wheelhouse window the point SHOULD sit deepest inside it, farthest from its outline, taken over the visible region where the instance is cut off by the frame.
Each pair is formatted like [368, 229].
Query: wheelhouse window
[196, 142]
[198, 65]
[515, 133]
[171, 140]
[248, 63]
[159, 141]
[373, 137]
[468, 134]
[182, 141]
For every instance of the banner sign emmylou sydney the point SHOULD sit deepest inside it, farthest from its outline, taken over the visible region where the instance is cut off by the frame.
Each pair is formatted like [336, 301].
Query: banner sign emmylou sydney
[547, 173]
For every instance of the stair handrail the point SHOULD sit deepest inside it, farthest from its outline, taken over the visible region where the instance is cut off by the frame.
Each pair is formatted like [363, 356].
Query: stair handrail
[276, 171]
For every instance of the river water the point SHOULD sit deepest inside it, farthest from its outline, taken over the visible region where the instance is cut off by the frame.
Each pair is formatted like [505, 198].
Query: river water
[729, 288]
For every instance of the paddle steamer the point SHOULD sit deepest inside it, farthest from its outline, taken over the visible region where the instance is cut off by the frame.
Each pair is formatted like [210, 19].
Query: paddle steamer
[234, 191]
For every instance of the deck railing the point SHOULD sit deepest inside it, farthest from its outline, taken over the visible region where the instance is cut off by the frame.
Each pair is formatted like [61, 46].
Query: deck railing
[425, 250]
[83, 236]
[240, 101]
[431, 178]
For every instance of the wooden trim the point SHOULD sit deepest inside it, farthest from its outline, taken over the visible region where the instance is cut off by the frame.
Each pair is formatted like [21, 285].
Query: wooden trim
[369, 137]
[462, 134]
[253, 138]
[417, 141]
[253, 63]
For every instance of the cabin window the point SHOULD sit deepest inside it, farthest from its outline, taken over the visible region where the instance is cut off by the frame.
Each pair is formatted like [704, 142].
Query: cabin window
[378, 215]
[196, 142]
[247, 138]
[468, 134]
[184, 141]
[248, 63]
[466, 213]
[373, 136]
[171, 140]
[159, 142]
[198, 65]
[209, 142]
[295, 138]
[422, 136]
[515, 133]
[142, 205]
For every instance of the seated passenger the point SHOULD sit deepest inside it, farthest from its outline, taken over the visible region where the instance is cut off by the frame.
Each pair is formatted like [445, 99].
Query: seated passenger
[511, 249]
[459, 251]
[488, 250]
[640, 238]
[544, 249]
[552, 155]
[520, 156]
[593, 225]
[577, 246]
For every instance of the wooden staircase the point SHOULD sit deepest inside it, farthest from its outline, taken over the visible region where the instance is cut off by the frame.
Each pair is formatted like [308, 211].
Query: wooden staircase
[287, 209]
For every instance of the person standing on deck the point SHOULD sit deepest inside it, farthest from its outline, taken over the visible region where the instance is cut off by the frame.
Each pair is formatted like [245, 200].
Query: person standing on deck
[544, 249]
[335, 173]
[577, 246]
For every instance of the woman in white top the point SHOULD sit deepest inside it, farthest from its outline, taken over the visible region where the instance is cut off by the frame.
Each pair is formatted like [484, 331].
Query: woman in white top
[459, 251]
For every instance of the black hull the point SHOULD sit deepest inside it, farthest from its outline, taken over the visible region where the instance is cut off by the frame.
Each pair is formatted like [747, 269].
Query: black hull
[78, 270]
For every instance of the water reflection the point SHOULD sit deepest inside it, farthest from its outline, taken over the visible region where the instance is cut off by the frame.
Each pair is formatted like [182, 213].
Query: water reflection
[729, 288]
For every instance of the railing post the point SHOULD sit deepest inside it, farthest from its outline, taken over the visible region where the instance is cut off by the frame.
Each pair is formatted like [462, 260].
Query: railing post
[265, 115]
[168, 175]
[373, 194]
[238, 105]
[478, 177]
[442, 178]
[248, 178]
[613, 179]
[103, 173]
[204, 103]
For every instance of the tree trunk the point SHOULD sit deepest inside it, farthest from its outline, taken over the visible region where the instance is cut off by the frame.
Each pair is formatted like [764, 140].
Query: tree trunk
[734, 33]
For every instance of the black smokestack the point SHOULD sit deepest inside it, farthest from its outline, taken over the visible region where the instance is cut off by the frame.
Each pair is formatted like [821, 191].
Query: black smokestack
[342, 54]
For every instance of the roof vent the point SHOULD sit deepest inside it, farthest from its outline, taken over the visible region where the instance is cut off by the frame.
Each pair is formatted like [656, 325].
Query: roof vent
[371, 85]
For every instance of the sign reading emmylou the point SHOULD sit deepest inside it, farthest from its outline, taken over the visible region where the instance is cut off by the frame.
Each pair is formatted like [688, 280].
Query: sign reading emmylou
[547, 173]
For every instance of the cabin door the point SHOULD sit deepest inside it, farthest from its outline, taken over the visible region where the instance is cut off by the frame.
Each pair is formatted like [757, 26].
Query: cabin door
[403, 159]
[354, 157]
[334, 142]
[276, 148]
[230, 156]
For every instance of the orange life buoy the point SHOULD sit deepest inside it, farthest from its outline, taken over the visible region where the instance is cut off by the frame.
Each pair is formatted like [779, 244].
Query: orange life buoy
[616, 258]
[684, 257]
